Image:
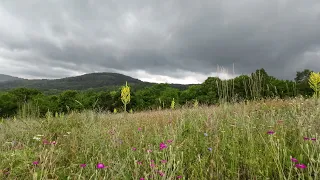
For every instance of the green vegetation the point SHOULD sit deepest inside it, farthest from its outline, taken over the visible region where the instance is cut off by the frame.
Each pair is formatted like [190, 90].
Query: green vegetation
[250, 127]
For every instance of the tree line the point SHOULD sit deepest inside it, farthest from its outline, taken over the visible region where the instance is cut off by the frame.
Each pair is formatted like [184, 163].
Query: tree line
[257, 85]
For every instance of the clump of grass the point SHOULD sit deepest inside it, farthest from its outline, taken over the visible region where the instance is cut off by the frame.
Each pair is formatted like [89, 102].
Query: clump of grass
[254, 141]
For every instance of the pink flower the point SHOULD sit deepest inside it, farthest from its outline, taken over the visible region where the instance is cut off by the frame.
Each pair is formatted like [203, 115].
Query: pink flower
[161, 173]
[134, 149]
[142, 179]
[179, 177]
[53, 142]
[139, 129]
[100, 166]
[294, 160]
[45, 141]
[35, 162]
[164, 161]
[301, 166]
[149, 150]
[169, 141]
[83, 165]
[306, 138]
[139, 162]
[270, 132]
[163, 146]
[313, 139]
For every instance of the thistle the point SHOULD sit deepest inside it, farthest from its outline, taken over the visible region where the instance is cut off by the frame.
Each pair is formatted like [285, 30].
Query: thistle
[314, 82]
[172, 104]
[125, 96]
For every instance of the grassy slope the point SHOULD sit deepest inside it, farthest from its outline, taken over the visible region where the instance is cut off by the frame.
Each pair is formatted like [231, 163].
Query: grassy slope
[237, 134]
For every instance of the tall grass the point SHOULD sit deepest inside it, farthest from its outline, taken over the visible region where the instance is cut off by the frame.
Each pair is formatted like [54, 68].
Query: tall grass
[229, 141]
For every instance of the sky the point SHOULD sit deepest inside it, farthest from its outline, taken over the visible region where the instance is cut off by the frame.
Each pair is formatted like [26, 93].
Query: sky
[173, 41]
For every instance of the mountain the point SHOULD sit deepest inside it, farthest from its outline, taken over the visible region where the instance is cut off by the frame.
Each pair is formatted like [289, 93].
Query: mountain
[92, 81]
[5, 78]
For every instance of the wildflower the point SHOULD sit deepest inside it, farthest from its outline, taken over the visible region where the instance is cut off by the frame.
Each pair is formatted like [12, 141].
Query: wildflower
[205, 134]
[134, 149]
[139, 129]
[142, 179]
[83, 165]
[169, 141]
[210, 149]
[294, 160]
[179, 177]
[301, 166]
[45, 141]
[35, 162]
[161, 173]
[54, 142]
[139, 162]
[306, 138]
[152, 165]
[100, 166]
[313, 139]
[163, 146]
[270, 132]
[149, 151]
[164, 161]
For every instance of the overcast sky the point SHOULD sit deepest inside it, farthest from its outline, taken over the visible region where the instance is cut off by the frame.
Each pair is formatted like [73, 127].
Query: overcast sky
[174, 41]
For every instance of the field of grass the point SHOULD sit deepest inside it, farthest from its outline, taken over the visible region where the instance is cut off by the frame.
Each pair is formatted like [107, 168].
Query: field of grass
[271, 139]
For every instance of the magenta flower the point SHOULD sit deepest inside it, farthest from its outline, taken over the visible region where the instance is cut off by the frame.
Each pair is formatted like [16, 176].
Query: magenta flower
[169, 141]
[164, 161]
[152, 165]
[142, 179]
[100, 166]
[301, 166]
[83, 165]
[35, 162]
[294, 160]
[179, 177]
[161, 173]
[163, 146]
[139, 129]
[134, 149]
[139, 162]
[53, 142]
[270, 132]
[45, 141]
[313, 139]
[306, 138]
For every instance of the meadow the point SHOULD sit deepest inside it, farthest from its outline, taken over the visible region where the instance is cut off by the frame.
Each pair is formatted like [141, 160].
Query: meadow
[265, 139]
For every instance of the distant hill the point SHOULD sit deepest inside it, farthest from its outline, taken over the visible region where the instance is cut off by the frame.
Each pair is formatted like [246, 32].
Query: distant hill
[5, 78]
[92, 81]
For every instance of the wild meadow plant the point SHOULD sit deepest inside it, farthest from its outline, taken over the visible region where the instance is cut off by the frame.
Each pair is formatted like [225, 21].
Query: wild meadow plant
[261, 139]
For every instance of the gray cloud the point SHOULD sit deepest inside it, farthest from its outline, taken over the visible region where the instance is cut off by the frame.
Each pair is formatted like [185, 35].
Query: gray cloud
[178, 39]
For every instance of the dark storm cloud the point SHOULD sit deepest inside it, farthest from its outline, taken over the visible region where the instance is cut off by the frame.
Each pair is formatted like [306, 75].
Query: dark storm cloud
[60, 38]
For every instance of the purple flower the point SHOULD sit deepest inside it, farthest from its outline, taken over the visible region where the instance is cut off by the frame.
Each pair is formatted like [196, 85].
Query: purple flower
[35, 162]
[294, 160]
[306, 138]
[134, 149]
[313, 139]
[83, 165]
[163, 146]
[100, 166]
[270, 132]
[301, 166]
[139, 129]
[164, 161]
[169, 141]
[142, 179]
[179, 177]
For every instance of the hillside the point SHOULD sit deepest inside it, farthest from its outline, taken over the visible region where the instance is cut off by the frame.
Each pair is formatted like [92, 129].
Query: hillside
[5, 78]
[95, 81]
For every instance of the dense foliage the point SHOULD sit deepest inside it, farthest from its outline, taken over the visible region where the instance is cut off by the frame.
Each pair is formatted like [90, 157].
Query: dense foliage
[258, 85]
